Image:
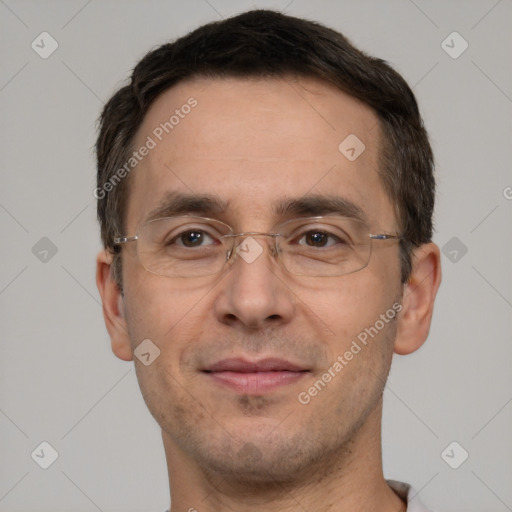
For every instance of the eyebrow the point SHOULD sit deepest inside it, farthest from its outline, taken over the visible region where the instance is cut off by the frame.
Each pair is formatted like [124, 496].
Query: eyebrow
[178, 203]
[318, 204]
[207, 205]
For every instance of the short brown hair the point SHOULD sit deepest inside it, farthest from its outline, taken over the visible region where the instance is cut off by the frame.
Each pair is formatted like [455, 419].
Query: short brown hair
[263, 43]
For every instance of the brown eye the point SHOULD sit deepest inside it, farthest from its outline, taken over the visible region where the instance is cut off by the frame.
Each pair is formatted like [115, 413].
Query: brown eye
[319, 238]
[192, 238]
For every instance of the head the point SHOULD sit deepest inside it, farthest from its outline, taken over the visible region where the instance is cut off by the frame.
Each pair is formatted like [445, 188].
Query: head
[239, 119]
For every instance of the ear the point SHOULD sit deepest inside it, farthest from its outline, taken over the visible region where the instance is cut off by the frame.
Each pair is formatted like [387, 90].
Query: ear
[418, 299]
[113, 307]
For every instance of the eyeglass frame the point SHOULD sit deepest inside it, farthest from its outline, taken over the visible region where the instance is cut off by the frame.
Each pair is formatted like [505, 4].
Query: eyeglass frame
[121, 240]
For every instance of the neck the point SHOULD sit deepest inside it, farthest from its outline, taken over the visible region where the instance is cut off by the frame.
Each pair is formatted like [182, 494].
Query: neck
[349, 479]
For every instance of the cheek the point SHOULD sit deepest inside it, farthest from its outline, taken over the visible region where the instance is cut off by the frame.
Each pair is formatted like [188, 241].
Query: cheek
[163, 390]
[359, 356]
[173, 318]
[163, 310]
[344, 307]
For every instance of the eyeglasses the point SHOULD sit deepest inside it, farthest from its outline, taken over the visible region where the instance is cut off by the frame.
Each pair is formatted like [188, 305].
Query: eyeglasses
[189, 246]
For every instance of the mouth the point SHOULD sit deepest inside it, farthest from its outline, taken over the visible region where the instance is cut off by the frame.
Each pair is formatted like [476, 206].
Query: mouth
[254, 377]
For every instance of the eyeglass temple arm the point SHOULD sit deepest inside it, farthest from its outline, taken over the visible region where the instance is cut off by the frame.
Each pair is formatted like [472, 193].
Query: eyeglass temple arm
[381, 236]
[124, 239]
[384, 236]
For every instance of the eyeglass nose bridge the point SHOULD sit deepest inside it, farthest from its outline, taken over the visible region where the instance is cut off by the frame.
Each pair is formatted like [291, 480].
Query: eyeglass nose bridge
[274, 249]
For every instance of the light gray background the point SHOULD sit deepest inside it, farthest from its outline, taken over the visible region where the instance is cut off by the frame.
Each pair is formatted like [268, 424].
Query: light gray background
[60, 382]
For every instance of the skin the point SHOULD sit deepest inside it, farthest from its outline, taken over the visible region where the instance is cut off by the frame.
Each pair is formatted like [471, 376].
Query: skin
[253, 142]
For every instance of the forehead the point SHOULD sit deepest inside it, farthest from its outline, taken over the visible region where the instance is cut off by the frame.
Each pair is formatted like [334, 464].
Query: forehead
[256, 142]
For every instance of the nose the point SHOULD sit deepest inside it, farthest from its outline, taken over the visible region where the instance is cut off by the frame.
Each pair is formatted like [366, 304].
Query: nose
[253, 294]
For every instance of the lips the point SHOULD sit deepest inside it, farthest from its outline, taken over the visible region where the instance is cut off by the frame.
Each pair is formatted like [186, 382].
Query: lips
[254, 377]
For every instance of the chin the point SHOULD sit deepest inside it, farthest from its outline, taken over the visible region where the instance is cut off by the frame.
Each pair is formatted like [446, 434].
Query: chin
[249, 468]
[258, 461]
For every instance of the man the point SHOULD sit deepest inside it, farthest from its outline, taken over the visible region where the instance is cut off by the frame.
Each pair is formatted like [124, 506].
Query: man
[265, 198]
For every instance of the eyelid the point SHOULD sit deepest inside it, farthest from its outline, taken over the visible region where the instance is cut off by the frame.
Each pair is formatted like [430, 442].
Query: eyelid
[205, 224]
[334, 238]
[171, 236]
[210, 231]
[320, 226]
[177, 240]
[324, 219]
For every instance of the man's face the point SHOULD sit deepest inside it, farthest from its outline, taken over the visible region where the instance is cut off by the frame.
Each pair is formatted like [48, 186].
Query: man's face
[254, 144]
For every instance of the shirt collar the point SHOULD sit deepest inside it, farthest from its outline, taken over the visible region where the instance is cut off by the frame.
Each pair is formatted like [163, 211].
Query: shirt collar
[408, 494]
